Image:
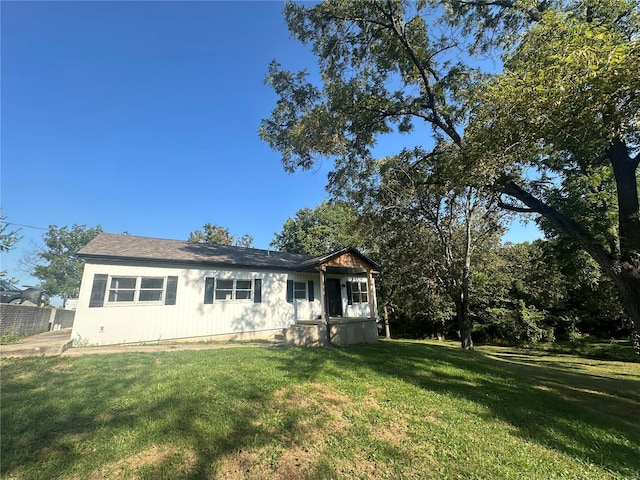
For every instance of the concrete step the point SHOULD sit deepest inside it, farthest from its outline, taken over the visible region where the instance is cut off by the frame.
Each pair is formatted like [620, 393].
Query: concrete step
[35, 351]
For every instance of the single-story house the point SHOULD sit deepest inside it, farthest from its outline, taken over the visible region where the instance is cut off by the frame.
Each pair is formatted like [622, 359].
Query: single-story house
[137, 289]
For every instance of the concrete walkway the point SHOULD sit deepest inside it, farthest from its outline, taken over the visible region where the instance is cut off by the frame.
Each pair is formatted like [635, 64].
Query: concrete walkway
[59, 343]
[48, 343]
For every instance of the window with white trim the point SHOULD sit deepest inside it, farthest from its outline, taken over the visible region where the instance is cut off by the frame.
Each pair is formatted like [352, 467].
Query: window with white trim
[233, 289]
[297, 290]
[136, 289]
[359, 292]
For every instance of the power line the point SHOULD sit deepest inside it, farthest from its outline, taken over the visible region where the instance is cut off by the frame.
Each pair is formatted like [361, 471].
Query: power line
[25, 226]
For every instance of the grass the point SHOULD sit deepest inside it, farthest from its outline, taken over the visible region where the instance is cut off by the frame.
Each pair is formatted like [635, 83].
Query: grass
[10, 337]
[594, 348]
[398, 410]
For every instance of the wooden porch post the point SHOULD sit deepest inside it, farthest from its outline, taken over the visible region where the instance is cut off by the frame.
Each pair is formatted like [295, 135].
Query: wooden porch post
[323, 302]
[372, 307]
[323, 295]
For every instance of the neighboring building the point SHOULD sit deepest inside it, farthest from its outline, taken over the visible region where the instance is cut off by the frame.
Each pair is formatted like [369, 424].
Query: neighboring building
[70, 304]
[137, 289]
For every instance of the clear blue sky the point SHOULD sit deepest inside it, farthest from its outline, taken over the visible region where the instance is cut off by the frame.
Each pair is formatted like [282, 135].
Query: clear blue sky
[143, 117]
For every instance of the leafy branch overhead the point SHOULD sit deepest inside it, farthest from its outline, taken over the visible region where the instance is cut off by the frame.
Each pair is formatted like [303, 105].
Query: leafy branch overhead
[555, 134]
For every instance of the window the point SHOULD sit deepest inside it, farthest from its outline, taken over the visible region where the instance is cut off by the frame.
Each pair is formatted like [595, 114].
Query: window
[136, 289]
[122, 289]
[359, 292]
[224, 290]
[243, 289]
[151, 289]
[133, 290]
[300, 290]
[232, 289]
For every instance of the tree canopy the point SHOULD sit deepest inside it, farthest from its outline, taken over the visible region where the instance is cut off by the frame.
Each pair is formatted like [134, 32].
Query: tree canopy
[327, 227]
[565, 109]
[8, 238]
[219, 235]
[62, 271]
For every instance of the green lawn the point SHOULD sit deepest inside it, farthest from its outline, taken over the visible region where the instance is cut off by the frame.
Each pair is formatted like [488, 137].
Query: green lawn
[395, 410]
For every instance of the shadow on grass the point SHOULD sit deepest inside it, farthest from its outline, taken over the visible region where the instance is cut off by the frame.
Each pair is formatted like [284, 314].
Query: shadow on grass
[593, 418]
[148, 415]
[94, 416]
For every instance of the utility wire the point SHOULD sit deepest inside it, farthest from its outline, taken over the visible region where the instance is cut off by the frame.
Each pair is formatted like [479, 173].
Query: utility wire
[25, 226]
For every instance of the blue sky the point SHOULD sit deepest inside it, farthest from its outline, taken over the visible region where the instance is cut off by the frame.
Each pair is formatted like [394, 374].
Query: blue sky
[143, 117]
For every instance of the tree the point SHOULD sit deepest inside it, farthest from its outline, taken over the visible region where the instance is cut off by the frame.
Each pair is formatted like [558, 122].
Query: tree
[458, 224]
[328, 227]
[568, 106]
[383, 69]
[8, 238]
[62, 272]
[219, 235]
[389, 67]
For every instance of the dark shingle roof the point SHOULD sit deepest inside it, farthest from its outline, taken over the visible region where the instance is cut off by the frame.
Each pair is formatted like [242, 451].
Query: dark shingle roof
[129, 247]
[109, 246]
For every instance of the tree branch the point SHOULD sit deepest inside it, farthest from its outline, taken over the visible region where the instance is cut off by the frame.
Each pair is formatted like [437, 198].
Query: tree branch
[446, 124]
[515, 208]
[564, 224]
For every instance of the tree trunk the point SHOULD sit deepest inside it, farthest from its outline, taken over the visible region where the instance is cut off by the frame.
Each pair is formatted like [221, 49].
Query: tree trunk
[626, 271]
[387, 331]
[464, 320]
[464, 324]
[628, 283]
[624, 171]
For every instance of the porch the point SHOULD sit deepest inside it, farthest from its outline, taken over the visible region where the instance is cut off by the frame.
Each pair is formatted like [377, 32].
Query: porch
[338, 331]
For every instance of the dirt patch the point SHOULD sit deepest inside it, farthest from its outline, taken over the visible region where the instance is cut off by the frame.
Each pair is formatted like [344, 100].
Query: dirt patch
[393, 433]
[126, 468]
[316, 411]
[306, 418]
[268, 464]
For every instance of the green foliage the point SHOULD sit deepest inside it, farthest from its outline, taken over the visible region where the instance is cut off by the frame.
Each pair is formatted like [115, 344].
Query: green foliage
[433, 234]
[219, 235]
[62, 272]
[8, 238]
[559, 132]
[383, 70]
[328, 227]
[538, 291]
[555, 134]
[393, 410]
[569, 87]
[9, 337]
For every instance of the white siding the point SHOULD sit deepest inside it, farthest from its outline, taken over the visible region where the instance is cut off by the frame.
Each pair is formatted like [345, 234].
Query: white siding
[190, 317]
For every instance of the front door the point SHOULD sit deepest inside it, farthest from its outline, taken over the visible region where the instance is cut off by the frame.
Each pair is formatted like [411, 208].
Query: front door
[334, 297]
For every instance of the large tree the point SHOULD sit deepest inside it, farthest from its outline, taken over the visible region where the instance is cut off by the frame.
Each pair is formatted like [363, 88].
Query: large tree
[219, 235]
[61, 272]
[392, 66]
[328, 227]
[558, 132]
[458, 223]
